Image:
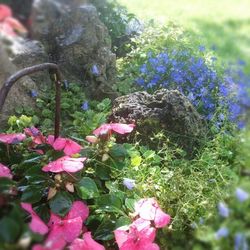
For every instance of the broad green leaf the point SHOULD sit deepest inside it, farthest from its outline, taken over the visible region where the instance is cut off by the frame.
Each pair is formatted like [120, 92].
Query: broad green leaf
[87, 189]
[9, 230]
[130, 204]
[61, 203]
[108, 200]
[123, 221]
[32, 194]
[118, 151]
[105, 230]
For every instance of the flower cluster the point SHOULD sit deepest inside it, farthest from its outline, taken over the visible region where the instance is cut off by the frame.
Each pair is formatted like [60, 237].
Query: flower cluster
[140, 235]
[65, 196]
[199, 80]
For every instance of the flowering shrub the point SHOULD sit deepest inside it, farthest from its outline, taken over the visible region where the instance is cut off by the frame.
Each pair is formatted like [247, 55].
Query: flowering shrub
[62, 191]
[211, 93]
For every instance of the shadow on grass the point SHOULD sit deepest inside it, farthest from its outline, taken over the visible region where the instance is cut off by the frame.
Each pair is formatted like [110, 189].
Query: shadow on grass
[231, 38]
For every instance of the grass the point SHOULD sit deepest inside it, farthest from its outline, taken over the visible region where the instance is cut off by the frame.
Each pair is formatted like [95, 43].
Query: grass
[224, 24]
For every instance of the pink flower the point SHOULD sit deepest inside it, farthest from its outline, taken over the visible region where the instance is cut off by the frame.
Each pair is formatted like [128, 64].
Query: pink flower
[148, 209]
[5, 12]
[36, 224]
[36, 135]
[68, 146]
[5, 172]
[119, 128]
[11, 138]
[65, 164]
[8, 24]
[139, 236]
[68, 228]
[87, 243]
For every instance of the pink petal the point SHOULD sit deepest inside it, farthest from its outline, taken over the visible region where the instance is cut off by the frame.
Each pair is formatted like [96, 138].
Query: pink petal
[36, 135]
[150, 246]
[102, 130]
[121, 236]
[161, 219]
[5, 11]
[146, 208]
[54, 219]
[50, 140]
[12, 138]
[78, 209]
[121, 128]
[71, 147]
[5, 172]
[15, 25]
[86, 244]
[72, 228]
[66, 229]
[65, 164]
[59, 143]
[36, 224]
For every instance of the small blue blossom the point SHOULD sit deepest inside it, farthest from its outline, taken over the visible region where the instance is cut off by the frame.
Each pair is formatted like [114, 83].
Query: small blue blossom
[202, 48]
[66, 84]
[221, 233]
[240, 242]
[33, 93]
[241, 195]
[223, 209]
[129, 183]
[95, 71]
[85, 106]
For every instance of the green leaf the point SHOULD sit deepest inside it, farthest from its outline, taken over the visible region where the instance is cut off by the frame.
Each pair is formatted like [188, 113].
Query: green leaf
[130, 204]
[123, 221]
[9, 230]
[108, 200]
[6, 184]
[32, 194]
[103, 173]
[87, 189]
[105, 230]
[118, 151]
[61, 203]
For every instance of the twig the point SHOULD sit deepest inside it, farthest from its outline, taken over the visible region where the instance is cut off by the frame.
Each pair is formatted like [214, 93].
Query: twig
[53, 69]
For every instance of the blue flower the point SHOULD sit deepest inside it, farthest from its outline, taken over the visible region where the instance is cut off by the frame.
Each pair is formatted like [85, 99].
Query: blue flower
[85, 106]
[202, 48]
[33, 93]
[241, 195]
[221, 233]
[143, 69]
[223, 209]
[129, 183]
[95, 71]
[240, 242]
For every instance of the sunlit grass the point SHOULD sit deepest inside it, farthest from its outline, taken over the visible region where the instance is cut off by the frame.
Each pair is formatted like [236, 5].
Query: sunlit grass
[222, 24]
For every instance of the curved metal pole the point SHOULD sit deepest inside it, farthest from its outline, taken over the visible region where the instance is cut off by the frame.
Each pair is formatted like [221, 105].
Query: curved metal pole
[53, 68]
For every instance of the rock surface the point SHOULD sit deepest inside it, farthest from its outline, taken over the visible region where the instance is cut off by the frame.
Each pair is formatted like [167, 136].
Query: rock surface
[20, 92]
[78, 41]
[165, 110]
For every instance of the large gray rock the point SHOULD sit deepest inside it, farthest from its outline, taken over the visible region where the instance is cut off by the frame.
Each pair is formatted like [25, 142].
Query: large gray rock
[20, 92]
[78, 41]
[165, 110]
[25, 53]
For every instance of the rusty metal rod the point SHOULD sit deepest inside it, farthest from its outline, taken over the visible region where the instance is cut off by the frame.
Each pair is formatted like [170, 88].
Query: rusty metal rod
[30, 70]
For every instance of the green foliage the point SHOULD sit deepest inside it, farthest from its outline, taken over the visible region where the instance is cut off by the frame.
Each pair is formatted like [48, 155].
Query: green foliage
[116, 18]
